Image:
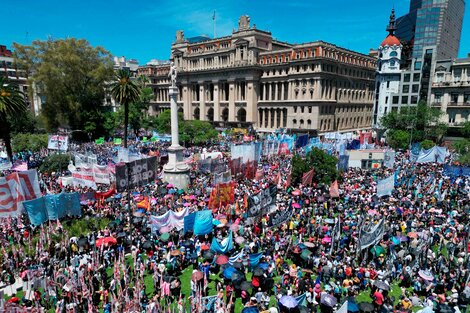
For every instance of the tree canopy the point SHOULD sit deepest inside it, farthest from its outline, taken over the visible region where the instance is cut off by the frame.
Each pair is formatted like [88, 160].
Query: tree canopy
[70, 74]
[421, 122]
[323, 164]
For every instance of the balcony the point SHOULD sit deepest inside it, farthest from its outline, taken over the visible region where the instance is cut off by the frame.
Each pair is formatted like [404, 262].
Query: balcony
[459, 104]
[436, 104]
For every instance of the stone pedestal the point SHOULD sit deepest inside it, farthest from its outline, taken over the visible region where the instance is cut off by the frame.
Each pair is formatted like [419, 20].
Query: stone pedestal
[175, 172]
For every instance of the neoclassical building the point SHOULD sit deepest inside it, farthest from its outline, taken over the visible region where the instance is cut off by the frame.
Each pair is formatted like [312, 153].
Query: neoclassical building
[249, 78]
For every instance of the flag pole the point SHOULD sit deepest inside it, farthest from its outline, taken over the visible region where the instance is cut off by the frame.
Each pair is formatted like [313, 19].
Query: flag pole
[214, 19]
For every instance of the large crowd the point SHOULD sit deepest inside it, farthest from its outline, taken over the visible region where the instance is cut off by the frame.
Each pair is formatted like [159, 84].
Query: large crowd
[309, 263]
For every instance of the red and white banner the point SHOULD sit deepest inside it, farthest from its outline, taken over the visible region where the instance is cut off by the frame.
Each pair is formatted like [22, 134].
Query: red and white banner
[20, 166]
[58, 143]
[101, 174]
[84, 178]
[16, 188]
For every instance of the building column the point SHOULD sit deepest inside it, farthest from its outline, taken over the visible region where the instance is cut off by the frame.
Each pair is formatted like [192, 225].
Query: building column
[276, 91]
[268, 124]
[202, 102]
[216, 101]
[187, 102]
[264, 92]
[251, 97]
[231, 102]
[282, 91]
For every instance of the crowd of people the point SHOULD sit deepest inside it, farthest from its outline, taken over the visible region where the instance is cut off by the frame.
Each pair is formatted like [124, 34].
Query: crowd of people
[311, 262]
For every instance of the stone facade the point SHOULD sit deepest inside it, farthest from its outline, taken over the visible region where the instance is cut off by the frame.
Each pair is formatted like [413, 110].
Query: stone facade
[251, 78]
[450, 90]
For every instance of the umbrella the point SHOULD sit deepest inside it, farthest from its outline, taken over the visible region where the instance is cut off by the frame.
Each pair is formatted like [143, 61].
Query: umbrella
[228, 272]
[187, 243]
[250, 309]
[208, 255]
[329, 221]
[288, 302]
[221, 259]
[412, 235]
[246, 285]
[121, 235]
[147, 245]
[235, 227]
[169, 186]
[106, 241]
[352, 306]
[258, 272]
[175, 252]
[205, 247]
[296, 192]
[372, 212]
[309, 244]
[264, 266]
[186, 204]
[395, 241]
[239, 240]
[238, 265]
[366, 307]
[328, 300]
[165, 237]
[197, 275]
[82, 242]
[137, 220]
[382, 285]
[377, 250]
[326, 239]
[426, 274]
[237, 276]
[296, 206]
[305, 254]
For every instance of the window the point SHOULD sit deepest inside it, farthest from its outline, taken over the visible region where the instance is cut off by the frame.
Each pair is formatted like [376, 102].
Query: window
[415, 88]
[406, 88]
[386, 100]
[437, 97]
[454, 97]
[414, 99]
[395, 99]
[466, 98]
[416, 77]
[393, 54]
[404, 100]
[418, 65]
[392, 63]
[388, 84]
[406, 78]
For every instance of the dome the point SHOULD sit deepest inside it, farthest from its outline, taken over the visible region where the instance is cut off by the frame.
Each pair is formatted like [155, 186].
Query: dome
[390, 41]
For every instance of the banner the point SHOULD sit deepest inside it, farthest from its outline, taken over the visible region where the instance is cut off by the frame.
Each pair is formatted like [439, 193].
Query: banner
[367, 239]
[16, 188]
[224, 246]
[189, 222]
[389, 158]
[117, 141]
[261, 201]
[385, 186]
[259, 174]
[84, 178]
[222, 195]
[454, 171]
[280, 217]
[203, 223]
[302, 141]
[136, 173]
[58, 143]
[20, 166]
[53, 207]
[343, 163]
[100, 174]
[334, 189]
[217, 166]
[170, 219]
[308, 177]
[222, 178]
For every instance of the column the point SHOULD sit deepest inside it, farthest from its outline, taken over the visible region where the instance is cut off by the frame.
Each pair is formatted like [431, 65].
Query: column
[268, 125]
[187, 101]
[264, 92]
[282, 90]
[231, 102]
[216, 101]
[276, 89]
[202, 102]
[251, 97]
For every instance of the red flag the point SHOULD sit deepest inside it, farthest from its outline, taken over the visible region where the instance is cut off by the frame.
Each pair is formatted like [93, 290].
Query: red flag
[334, 190]
[259, 174]
[307, 177]
[144, 204]
[289, 179]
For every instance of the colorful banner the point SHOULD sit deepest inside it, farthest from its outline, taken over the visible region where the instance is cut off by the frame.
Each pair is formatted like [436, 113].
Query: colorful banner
[222, 178]
[53, 207]
[308, 177]
[334, 189]
[20, 166]
[260, 202]
[189, 222]
[372, 237]
[16, 188]
[58, 143]
[222, 195]
[343, 163]
[224, 246]
[203, 223]
[389, 158]
[170, 219]
[84, 178]
[100, 174]
[136, 173]
[280, 217]
[385, 186]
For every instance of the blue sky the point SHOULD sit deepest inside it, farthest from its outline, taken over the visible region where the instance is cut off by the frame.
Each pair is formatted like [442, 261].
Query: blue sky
[144, 30]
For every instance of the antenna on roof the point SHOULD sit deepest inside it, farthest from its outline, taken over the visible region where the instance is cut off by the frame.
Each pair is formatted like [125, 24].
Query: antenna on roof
[214, 21]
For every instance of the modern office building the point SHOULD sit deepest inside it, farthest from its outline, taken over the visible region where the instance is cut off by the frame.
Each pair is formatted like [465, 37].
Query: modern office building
[250, 78]
[450, 90]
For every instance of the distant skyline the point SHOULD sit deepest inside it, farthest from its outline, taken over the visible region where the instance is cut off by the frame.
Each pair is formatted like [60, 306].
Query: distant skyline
[144, 30]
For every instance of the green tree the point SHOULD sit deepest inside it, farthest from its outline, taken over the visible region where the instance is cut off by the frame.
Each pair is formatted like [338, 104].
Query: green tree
[12, 103]
[162, 123]
[197, 132]
[398, 139]
[466, 129]
[461, 146]
[125, 91]
[138, 117]
[422, 122]
[72, 76]
[31, 142]
[54, 163]
[323, 164]
[427, 144]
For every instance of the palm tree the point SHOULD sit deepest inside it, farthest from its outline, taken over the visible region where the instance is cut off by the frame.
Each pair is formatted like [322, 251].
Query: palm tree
[12, 102]
[125, 91]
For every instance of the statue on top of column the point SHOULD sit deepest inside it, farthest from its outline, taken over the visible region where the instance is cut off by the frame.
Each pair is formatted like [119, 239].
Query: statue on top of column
[173, 74]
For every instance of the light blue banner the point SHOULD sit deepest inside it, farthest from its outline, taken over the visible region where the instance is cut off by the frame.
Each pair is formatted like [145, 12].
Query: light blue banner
[385, 186]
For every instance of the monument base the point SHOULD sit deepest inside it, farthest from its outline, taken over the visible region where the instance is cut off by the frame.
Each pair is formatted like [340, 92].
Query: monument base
[176, 172]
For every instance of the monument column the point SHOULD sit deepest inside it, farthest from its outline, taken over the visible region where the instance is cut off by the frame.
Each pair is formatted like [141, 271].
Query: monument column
[231, 102]
[216, 101]
[175, 171]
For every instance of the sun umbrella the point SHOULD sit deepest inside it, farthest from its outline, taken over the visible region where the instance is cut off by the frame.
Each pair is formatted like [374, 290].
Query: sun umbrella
[106, 241]
[235, 227]
[296, 192]
[197, 275]
[228, 272]
[165, 237]
[175, 252]
[147, 245]
[164, 229]
[296, 206]
[426, 274]
[326, 240]
[169, 186]
[329, 221]
[221, 259]
[366, 307]
[250, 309]
[239, 240]
[288, 302]
[186, 204]
[382, 285]
[205, 247]
[309, 244]
[258, 272]
[208, 255]
[238, 265]
[246, 285]
[372, 212]
[352, 306]
[328, 300]
[395, 241]
[412, 235]
[377, 250]
[237, 276]
[305, 254]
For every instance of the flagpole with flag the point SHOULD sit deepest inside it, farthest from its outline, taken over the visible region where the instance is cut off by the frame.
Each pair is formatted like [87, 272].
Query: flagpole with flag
[214, 19]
